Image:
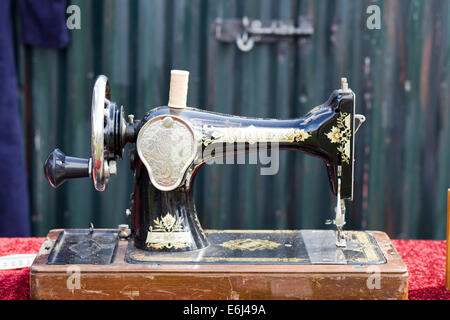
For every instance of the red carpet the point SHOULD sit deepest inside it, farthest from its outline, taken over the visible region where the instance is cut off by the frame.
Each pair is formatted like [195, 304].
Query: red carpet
[14, 283]
[425, 260]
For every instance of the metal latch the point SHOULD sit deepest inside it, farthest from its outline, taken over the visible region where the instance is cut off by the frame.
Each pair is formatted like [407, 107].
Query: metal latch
[245, 32]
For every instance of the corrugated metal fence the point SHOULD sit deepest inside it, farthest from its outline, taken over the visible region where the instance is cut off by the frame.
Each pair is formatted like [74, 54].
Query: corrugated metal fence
[400, 73]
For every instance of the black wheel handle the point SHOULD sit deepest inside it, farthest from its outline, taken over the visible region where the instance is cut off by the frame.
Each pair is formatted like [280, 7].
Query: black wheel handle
[58, 168]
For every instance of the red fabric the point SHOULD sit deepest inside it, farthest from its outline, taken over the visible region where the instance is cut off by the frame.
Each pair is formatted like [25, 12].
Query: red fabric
[14, 284]
[425, 260]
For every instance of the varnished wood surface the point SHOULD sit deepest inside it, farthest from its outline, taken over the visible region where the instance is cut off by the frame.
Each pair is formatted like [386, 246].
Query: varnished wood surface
[121, 280]
[447, 280]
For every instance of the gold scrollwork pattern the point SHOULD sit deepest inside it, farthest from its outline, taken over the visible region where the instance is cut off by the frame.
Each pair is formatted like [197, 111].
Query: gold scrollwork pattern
[168, 232]
[341, 134]
[198, 223]
[252, 134]
[367, 247]
[250, 244]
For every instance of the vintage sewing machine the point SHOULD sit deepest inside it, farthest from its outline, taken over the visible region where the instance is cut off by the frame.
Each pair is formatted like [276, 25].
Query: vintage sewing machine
[165, 254]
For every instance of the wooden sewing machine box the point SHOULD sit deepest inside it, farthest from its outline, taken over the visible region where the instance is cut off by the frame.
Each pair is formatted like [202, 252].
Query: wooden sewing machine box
[238, 264]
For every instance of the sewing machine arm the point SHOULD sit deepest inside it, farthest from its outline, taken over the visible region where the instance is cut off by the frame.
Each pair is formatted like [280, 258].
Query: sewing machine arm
[172, 142]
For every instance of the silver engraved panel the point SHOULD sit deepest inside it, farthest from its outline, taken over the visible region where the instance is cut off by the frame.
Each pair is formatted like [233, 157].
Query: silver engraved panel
[166, 146]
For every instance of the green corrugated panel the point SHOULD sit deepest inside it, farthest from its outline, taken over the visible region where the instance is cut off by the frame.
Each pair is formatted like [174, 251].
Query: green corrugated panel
[399, 73]
[443, 135]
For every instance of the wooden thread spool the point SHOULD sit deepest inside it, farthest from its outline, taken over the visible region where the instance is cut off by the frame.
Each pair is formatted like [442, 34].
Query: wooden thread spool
[179, 80]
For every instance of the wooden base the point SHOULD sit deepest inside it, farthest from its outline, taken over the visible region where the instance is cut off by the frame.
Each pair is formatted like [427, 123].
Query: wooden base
[122, 280]
[447, 275]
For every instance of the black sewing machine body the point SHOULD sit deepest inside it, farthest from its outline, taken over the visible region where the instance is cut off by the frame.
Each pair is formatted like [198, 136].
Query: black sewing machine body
[307, 134]
[172, 143]
[165, 253]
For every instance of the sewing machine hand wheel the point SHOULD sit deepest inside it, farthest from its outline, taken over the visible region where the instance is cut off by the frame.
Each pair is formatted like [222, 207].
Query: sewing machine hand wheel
[107, 122]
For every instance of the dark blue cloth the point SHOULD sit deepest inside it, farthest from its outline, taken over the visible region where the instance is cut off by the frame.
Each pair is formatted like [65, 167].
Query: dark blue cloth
[42, 23]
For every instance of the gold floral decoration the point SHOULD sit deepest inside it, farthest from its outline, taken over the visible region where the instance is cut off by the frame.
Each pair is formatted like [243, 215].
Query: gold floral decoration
[250, 244]
[252, 134]
[341, 134]
[168, 223]
[168, 232]
[335, 135]
[302, 135]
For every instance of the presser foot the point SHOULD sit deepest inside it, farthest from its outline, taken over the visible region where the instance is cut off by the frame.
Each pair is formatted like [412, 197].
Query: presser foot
[339, 221]
[340, 238]
[340, 235]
